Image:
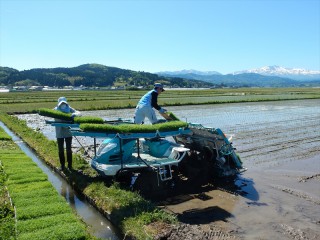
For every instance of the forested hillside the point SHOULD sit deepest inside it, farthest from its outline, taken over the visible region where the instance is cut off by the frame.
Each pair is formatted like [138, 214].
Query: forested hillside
[90, 75]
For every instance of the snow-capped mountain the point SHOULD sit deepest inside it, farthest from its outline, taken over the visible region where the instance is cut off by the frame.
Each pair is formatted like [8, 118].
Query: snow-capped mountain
[278, 71]
[293, 73]
[191, 71]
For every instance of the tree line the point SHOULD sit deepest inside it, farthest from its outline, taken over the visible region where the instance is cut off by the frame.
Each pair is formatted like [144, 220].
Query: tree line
[90, 75]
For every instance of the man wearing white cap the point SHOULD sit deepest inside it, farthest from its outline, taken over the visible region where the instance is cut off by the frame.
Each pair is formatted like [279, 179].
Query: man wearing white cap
[63, 134]
[147, 103]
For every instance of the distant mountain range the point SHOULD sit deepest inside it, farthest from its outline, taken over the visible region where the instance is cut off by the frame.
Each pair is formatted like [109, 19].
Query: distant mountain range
[278, 71]
[271, 76]
[191, 71]
[293, 73]
[97, 75]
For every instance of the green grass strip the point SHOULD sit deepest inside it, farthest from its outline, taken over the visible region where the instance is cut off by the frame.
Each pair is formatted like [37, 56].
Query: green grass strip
[36, 200]
[134, 128]
[58, 231]
[7, 221]
[47, 149]
[30, 225]
[32, 179]
[43, 192]
[28, 187]
[35, 210]
[41, 212]
[16, 155]
[4, 136]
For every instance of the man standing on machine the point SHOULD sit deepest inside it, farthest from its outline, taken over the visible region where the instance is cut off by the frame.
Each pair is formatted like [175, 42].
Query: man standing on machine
[147, 103]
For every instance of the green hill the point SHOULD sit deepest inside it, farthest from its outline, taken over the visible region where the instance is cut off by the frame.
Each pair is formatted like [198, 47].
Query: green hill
[90, 75]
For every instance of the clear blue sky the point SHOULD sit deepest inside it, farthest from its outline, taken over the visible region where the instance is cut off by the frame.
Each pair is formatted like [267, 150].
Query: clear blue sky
[159, 35]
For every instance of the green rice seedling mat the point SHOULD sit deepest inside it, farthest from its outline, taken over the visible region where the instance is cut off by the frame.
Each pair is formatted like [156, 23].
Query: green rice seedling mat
[134, 128]
[41, 213]
[67, 116]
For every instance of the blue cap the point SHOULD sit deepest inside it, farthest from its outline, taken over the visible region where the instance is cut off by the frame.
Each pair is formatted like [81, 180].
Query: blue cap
[159, 85]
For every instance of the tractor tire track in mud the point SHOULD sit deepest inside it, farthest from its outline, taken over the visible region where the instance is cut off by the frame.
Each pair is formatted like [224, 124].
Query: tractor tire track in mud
[305, 179]
[282, 152]
[281, 142]
[298, 194]
[295, 233]
[195, 232]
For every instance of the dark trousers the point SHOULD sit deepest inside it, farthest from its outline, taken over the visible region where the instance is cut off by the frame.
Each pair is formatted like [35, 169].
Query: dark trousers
[68, 141]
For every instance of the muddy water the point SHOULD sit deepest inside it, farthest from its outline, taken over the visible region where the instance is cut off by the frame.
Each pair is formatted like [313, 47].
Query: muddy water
[279, 196]
[99, 226]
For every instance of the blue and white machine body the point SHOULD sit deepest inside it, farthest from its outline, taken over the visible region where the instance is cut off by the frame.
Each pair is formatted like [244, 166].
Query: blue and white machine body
[116, 154]
[196, 146]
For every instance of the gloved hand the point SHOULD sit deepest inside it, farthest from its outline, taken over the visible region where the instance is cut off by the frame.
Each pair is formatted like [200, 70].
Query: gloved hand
[162, 110]
[76, 114]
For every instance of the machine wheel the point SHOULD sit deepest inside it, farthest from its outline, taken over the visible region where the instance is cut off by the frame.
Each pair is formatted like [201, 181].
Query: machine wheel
[198, 167]
[149, 185]
[123, 176]
[207, 158]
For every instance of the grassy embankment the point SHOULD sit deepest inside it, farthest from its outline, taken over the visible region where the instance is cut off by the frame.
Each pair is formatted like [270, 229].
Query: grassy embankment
[40, 212]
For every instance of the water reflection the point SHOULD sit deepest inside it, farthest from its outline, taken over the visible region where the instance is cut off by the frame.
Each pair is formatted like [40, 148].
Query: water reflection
[67, 194]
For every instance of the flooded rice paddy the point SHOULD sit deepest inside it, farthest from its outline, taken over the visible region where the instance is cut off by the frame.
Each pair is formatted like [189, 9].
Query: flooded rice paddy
[278, 197]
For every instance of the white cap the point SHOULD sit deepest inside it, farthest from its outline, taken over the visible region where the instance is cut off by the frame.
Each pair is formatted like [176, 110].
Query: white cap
[62, 100]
